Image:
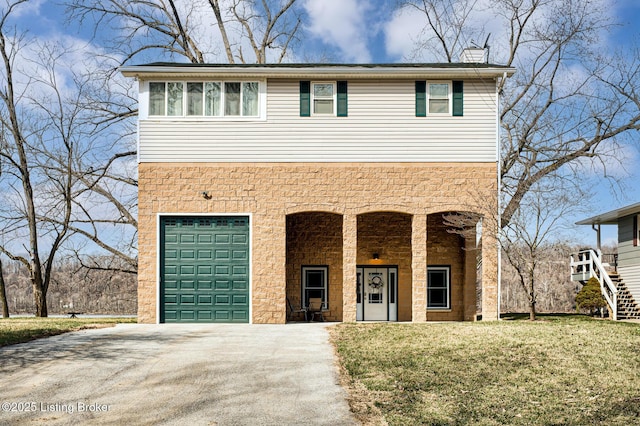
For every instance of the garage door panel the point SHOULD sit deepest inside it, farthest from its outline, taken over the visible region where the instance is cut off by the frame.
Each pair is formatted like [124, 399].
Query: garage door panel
[222, 269]
[239, 270]
[205, 300]
[222, 315]
[240, 316]
[170, 315]
[205, 254]
[187, 254]
[239, 299]
[222, 285]
[185, 314]
[170, 284]
[240, 285]
[205, 316]
[187, 238]
[239, 239]
[205, 239]
[204, 269]
[222, 239]
[239, 254]
[187, 299]
[170, 254]
[223, 300]
[187, 285]
[205, 285]
[221, 254]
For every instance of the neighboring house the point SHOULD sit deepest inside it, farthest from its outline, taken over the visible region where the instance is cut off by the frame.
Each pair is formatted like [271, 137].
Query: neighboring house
[264, 186]
[619, 276]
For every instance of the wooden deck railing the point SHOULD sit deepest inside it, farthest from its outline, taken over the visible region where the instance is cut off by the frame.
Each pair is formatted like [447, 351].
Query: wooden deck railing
[586, 264]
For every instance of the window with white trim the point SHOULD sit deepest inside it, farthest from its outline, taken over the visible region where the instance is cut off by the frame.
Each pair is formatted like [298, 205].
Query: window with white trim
[205, 99]
[636, 231]
[438, 287]
[315, 284]
[439, 98]
[323, 98]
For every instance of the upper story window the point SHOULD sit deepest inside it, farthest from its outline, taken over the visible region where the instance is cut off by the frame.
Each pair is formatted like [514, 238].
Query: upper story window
[439, 98]
[205, 99]
[323, 98]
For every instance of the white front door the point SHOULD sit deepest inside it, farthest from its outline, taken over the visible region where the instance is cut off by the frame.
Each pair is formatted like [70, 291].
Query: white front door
[375, 295]
[374, 292]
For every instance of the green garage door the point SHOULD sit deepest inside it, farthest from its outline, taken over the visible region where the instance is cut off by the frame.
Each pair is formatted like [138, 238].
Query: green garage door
[204, 269]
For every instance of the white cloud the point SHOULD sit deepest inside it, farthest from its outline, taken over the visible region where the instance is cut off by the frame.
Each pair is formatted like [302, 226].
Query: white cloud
[28, 9]
[406, 29]
[402, 33]
[342, 24]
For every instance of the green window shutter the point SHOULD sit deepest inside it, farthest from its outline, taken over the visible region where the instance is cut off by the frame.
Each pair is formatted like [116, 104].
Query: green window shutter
[457, 99]
[305, 99]
[342, 99]
[421, 98]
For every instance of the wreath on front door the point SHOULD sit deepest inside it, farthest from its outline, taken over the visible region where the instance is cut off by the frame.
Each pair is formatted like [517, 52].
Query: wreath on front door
[376, 282]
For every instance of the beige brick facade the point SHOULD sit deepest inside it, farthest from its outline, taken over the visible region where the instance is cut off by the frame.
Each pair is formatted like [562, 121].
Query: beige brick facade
[337, 215]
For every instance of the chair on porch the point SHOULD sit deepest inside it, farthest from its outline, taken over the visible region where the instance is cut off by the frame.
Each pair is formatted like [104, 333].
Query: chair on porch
[315, 308]
[293, 312]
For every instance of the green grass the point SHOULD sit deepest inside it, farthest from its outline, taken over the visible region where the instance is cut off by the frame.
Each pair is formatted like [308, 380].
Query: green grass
[19, 330]
[561, 370]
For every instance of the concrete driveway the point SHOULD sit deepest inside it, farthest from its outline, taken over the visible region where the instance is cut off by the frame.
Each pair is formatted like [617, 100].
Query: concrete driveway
[175, 374]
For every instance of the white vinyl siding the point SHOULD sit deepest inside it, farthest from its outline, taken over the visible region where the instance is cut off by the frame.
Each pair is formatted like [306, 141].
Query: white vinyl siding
[381, 127]
[631, 277]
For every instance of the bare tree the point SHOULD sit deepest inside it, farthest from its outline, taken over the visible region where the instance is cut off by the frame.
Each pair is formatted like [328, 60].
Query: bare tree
[45, 138]
[3, 294]
[449, 26]
[185, 29]
[527, 238]
[568, 104]
[555, 292]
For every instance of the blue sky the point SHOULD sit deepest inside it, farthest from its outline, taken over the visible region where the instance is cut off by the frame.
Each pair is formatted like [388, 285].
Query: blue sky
[372, 31]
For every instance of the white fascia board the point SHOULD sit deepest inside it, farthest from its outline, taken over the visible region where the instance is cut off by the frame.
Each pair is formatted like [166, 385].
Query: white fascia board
[335, 72]
[611, 217]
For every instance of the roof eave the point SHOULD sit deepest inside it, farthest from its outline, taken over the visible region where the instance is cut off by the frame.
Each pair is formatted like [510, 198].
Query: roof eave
[353, 71]
[611, 217]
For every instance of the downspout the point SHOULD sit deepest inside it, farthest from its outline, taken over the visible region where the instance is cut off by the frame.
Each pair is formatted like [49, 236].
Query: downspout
[499, 182]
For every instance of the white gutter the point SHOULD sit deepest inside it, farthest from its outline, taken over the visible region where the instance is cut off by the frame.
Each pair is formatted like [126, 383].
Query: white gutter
[356, 71]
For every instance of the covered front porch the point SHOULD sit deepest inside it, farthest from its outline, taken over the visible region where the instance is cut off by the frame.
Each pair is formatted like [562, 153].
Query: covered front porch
[381, 266]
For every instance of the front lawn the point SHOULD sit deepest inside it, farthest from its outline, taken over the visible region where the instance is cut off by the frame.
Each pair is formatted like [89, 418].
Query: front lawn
[18, 330]
[568, 370]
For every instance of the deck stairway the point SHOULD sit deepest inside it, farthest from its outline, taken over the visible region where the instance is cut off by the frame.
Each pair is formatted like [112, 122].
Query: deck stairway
[588, 263]
[627, 306]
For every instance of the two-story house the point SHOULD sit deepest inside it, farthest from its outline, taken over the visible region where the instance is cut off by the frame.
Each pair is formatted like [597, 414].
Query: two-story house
[264, 186]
